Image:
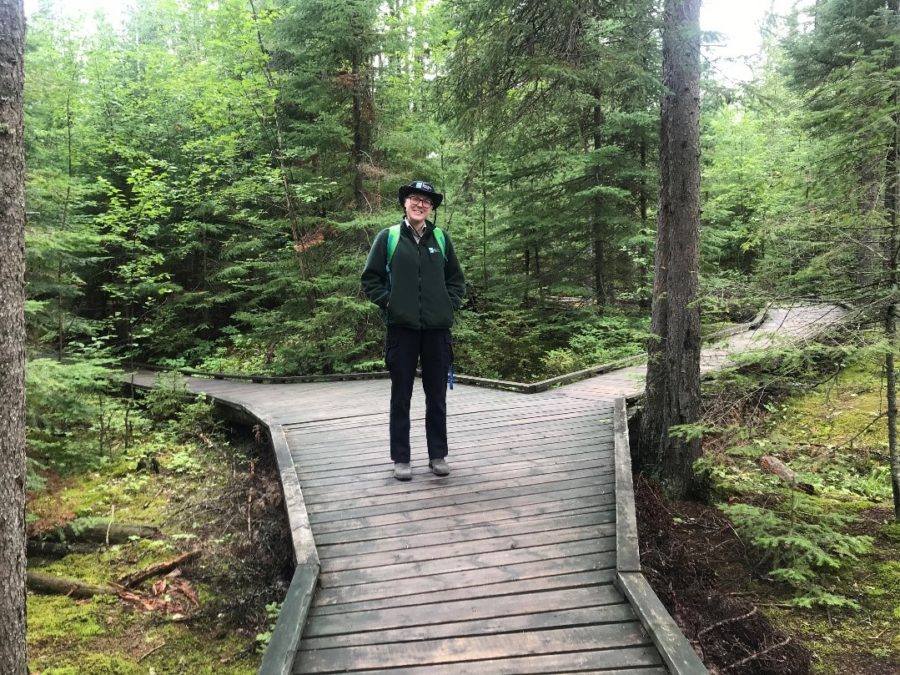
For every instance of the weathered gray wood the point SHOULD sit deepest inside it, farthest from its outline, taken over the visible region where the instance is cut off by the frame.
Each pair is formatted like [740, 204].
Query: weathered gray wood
[454, 580]
[471, 610]
[425, 503]
[280, 654]
[466, 513]
[458, 564]
[629, 559]
[503, 530]
[301, 533]
[600, 662]
[475, 648]
[513, 587]
[674, 648]
[511, 623]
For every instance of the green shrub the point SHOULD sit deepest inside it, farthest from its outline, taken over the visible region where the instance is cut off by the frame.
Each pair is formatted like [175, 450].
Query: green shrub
[800, 541]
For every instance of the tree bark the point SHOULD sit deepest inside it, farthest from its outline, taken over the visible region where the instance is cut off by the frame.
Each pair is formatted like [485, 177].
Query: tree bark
[673, 369]
[598, 242]
[38, 548]
[13, 657]
[113, 533]
[48, 583]
[892, 203]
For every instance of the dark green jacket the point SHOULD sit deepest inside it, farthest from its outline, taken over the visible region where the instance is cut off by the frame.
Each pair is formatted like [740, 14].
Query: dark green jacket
[424, 289]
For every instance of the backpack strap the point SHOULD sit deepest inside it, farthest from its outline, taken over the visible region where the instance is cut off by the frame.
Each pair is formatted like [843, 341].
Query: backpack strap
[441, 240]
[393, 237]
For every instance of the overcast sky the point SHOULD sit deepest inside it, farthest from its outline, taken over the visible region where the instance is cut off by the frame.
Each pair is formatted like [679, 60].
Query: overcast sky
[738, 21]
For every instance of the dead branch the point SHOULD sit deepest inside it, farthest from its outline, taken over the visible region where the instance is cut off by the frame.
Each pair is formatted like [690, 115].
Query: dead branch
[780, 469]
[135, 578]
[38, 548]
[151, 651]
[108, 532]
[48, 583]
[755, 656]
[727, 621]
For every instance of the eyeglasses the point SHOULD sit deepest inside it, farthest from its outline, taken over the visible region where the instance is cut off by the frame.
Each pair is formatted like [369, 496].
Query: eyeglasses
[419, 201]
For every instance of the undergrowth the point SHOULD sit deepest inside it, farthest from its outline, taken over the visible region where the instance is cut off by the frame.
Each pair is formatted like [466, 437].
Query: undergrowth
[165, 460]
[824, 548]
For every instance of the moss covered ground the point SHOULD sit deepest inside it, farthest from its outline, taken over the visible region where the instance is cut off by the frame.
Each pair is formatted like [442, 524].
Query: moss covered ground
[194, 622]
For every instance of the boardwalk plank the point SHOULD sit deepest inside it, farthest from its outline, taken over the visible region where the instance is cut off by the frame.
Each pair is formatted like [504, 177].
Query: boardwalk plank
[478, 511]
[554, 506]
[633, 661]
[495, 590]
[493, 492]
[464, 563]
[467, 548]
[470, 610]
[455, 580]
[474, 648]
[505, 529]
[503, 623]
[528, 473]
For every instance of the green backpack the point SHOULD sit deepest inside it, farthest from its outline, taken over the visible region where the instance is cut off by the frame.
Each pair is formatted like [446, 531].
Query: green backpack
[394, 237]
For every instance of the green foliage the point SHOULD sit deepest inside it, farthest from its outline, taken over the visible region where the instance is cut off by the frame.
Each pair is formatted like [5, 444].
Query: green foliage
[273, 609]
[71, 415]
[594, 342]
[801, 542]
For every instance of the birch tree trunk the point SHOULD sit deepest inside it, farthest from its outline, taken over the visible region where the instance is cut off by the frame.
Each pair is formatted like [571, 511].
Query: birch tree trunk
[673, 369]
[12, 341]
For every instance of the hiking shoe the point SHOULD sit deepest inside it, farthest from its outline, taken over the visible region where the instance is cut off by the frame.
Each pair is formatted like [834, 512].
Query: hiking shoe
[402, 471]
[439, 467]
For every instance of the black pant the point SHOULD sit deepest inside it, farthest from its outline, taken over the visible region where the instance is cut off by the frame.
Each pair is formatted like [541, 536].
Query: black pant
[403, 348]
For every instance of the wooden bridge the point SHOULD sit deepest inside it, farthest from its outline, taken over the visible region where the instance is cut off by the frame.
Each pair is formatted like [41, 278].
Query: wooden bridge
[523, 560]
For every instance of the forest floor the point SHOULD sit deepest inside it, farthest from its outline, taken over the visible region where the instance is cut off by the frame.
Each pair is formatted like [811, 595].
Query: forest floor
[720, 568]
[218, 497]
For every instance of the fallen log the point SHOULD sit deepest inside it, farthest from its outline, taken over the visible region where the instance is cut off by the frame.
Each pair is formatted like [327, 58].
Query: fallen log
[48, 583]
[776, 466]
[135, 578]
[104, 531]
[40, 548]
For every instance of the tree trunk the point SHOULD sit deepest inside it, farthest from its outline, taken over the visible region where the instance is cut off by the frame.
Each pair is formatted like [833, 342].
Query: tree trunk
[38, 548]
[12, 341]
[357, 123]
[103, 531]
[892, 203]
[673, 369]
[597, 233]
[48, 583]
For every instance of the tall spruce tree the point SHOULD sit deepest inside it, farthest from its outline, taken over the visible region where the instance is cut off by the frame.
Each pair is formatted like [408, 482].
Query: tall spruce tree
[673, 371]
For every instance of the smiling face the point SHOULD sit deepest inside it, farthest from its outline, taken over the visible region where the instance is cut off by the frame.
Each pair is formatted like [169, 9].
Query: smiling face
[417, 208]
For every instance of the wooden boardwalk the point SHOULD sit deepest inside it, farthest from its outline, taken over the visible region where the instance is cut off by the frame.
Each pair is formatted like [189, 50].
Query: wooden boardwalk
[508, 565]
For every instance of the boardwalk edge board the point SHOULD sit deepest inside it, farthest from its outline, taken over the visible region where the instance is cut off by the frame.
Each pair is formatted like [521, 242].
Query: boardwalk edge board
[673, 646]
[282, 649]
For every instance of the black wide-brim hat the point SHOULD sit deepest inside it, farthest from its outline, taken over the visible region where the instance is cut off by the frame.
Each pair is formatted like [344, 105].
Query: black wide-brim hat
[423, 188]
